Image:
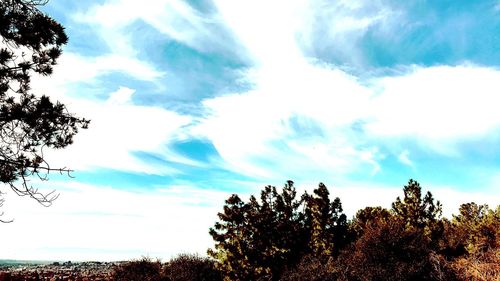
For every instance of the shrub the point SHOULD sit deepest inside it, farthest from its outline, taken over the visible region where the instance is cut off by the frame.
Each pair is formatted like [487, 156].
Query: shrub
[310, 268]
[144, 269]
[188, 267]
[389, 251]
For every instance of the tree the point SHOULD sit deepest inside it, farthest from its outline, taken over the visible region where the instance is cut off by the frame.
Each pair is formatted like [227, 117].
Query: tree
[232, 247]
[30, 45]
[418, 212]
[472, 242]
[366, 217]
[258, 239]
[326, 222]
[481, 226]
[399, 244]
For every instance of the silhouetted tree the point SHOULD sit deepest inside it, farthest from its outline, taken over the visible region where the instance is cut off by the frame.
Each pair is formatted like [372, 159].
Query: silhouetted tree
[418, 212]
[282, 237]
[400, 244]
[277, 234]
[256, 240]
[233, 247]
[30, 44]
[326, 223]
[259, 239]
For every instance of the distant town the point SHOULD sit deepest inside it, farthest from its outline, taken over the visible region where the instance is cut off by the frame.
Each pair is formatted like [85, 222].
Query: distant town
[51, 271]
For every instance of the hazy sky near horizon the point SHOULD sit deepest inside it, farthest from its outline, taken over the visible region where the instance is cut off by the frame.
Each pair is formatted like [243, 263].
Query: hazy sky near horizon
[191, 101]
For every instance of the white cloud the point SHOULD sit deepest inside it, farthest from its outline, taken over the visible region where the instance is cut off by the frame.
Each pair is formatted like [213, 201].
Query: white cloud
[117, 130]
[122, 96]
[118, 127]
[335, 29]
[404, 157]
[72, 69]
[304, 117]
[296, 119]
[173, 18]
[302, 120]
[101, 223]
[438, 103]
[75, 68]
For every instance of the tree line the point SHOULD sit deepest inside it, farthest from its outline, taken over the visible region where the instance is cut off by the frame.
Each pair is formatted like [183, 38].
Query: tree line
[287, 237]
[284, 236]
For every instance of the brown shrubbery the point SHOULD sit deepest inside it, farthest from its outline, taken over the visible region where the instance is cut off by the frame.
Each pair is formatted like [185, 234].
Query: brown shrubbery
[184, 267]
[144, 269]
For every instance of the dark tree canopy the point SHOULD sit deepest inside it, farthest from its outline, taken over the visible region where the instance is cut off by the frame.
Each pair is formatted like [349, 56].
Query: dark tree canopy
[259, 239]
[30, 123]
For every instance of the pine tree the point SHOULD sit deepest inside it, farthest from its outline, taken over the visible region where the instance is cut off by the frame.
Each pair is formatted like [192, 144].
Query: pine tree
[31, 43]
[326, 222]
[258, 239]
[418, 212]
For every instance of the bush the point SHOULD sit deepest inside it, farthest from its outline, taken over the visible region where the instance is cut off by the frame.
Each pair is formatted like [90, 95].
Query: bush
[483, 267]
[144, 270]
[188, 267]
[310, 268]
[389, 251]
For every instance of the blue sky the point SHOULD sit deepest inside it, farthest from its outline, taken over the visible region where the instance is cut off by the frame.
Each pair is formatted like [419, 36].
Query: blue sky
[191, 101]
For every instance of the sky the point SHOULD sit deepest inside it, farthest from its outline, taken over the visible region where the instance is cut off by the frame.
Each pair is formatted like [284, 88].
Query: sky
[191, 101]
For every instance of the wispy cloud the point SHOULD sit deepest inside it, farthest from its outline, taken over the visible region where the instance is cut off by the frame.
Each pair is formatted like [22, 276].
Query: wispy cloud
[303, 113]
[175, 19]
[118, 129]
[404, 157]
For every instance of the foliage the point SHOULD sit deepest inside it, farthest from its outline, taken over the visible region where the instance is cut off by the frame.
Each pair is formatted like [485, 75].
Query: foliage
[388, 250]
[143, 269]
[419, 213]
[31, 43]
[283, 237]
[326, 223]
[187, 267]
[471, 242]
[482, 267]
[416, 211]
[260, 238]
[366, 217]
[311, 268]
[480, 226]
